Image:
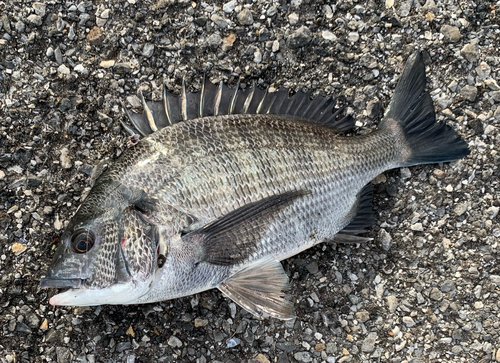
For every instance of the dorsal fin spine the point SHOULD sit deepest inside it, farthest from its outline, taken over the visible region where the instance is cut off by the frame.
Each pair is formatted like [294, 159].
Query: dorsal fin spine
[233, 98]
[149, 115]
[248, 99]
[259, 107]
[217, 99]
[165, 104]
[184, 101]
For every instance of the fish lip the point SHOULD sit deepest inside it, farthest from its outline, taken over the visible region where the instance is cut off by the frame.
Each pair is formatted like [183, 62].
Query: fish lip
[48, 282]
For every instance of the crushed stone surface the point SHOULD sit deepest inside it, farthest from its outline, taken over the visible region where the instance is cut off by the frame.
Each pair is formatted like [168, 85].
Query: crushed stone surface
[426, 289]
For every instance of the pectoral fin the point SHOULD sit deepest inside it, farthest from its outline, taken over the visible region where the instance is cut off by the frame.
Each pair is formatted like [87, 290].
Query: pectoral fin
[234, 237]
[259, 289]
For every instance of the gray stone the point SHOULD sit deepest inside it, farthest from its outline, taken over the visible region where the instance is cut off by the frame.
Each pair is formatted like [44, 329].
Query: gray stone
[34, 19]
[444, 102]
[492, 212]
[105, 14]
[81, 69]
[71, 33]
[148, 50]
[448, 286]
[373, 108]
[362, 316]
[33, 320]
[214, 40]
[65, 159]
[417, 227]
[220, 21]
[368, 344]
[39, 8]
[469, 93]
[257, 56]
[328, 35]
[62, 69]
[123, 346]
[300, 37]
[353, 37]
[293, 18]
[451, 33]
[229, 6]
[100, 22]
[385, 239]
[492, 84]
[303, 356]
[435, 294]
[312, 267]
[408, 321]
[174, 342]
[63, 355]
[245, 17]
[272, 11]
[4, 21]
[58, 55]
[483, 70]
[460, 209]
[470, 52]
[20, 27]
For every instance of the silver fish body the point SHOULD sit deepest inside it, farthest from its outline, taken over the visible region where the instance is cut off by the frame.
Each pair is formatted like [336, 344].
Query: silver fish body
[218, 201]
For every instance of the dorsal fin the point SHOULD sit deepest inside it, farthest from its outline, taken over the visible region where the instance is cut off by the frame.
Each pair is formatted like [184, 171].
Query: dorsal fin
[214, 100]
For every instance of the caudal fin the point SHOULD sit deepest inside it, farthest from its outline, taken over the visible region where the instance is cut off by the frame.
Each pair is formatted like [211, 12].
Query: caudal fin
[411, 115]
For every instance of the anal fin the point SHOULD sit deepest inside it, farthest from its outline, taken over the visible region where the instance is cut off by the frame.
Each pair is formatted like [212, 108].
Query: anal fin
[259, 289]
[363, 218]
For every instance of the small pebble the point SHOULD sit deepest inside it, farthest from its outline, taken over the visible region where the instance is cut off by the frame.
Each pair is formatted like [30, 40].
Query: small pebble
[260, 358]
[245, 17]
[65, 159]
[368, 344]
[417, 227]
[353, 37]
[492, 212]
[300, 37]
[448, 286]
[436, 294]
[107, 63]
[483, 70]
[34, 19]
[469, 93]
[451, 33]
[460, 209]
[233, 342]
[470, 52]
[174, 342]
[293, 18]
[408, 321]
[303, 357]
[148, 50]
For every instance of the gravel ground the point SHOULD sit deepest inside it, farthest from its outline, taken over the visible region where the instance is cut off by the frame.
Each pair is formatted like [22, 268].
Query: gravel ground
[426, 289]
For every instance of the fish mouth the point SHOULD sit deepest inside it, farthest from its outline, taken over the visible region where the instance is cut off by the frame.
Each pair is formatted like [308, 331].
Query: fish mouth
[48, 282]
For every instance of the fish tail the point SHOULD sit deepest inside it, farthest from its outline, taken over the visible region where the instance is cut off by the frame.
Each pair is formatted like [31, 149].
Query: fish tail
[412, 119]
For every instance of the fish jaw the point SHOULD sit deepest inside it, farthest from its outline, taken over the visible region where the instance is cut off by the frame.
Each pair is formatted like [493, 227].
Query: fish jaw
[119, 294]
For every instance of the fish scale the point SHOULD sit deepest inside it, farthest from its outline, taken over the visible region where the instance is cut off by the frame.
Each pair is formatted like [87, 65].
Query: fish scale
[217, 200]
[280, 161]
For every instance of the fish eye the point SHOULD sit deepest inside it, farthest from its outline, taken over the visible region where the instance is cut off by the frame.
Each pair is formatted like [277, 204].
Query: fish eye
[82, 241]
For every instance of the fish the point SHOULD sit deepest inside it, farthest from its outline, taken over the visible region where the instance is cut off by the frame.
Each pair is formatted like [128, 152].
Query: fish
[223, 184]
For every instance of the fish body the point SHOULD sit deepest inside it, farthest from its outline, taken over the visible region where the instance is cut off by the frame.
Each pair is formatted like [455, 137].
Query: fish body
[217, 201]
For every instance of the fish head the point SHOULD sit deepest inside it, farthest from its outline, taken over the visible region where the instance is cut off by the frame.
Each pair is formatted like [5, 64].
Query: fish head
[108, 257]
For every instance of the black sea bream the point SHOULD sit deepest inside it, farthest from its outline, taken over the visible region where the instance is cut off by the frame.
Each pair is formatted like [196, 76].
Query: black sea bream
[227, 183]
